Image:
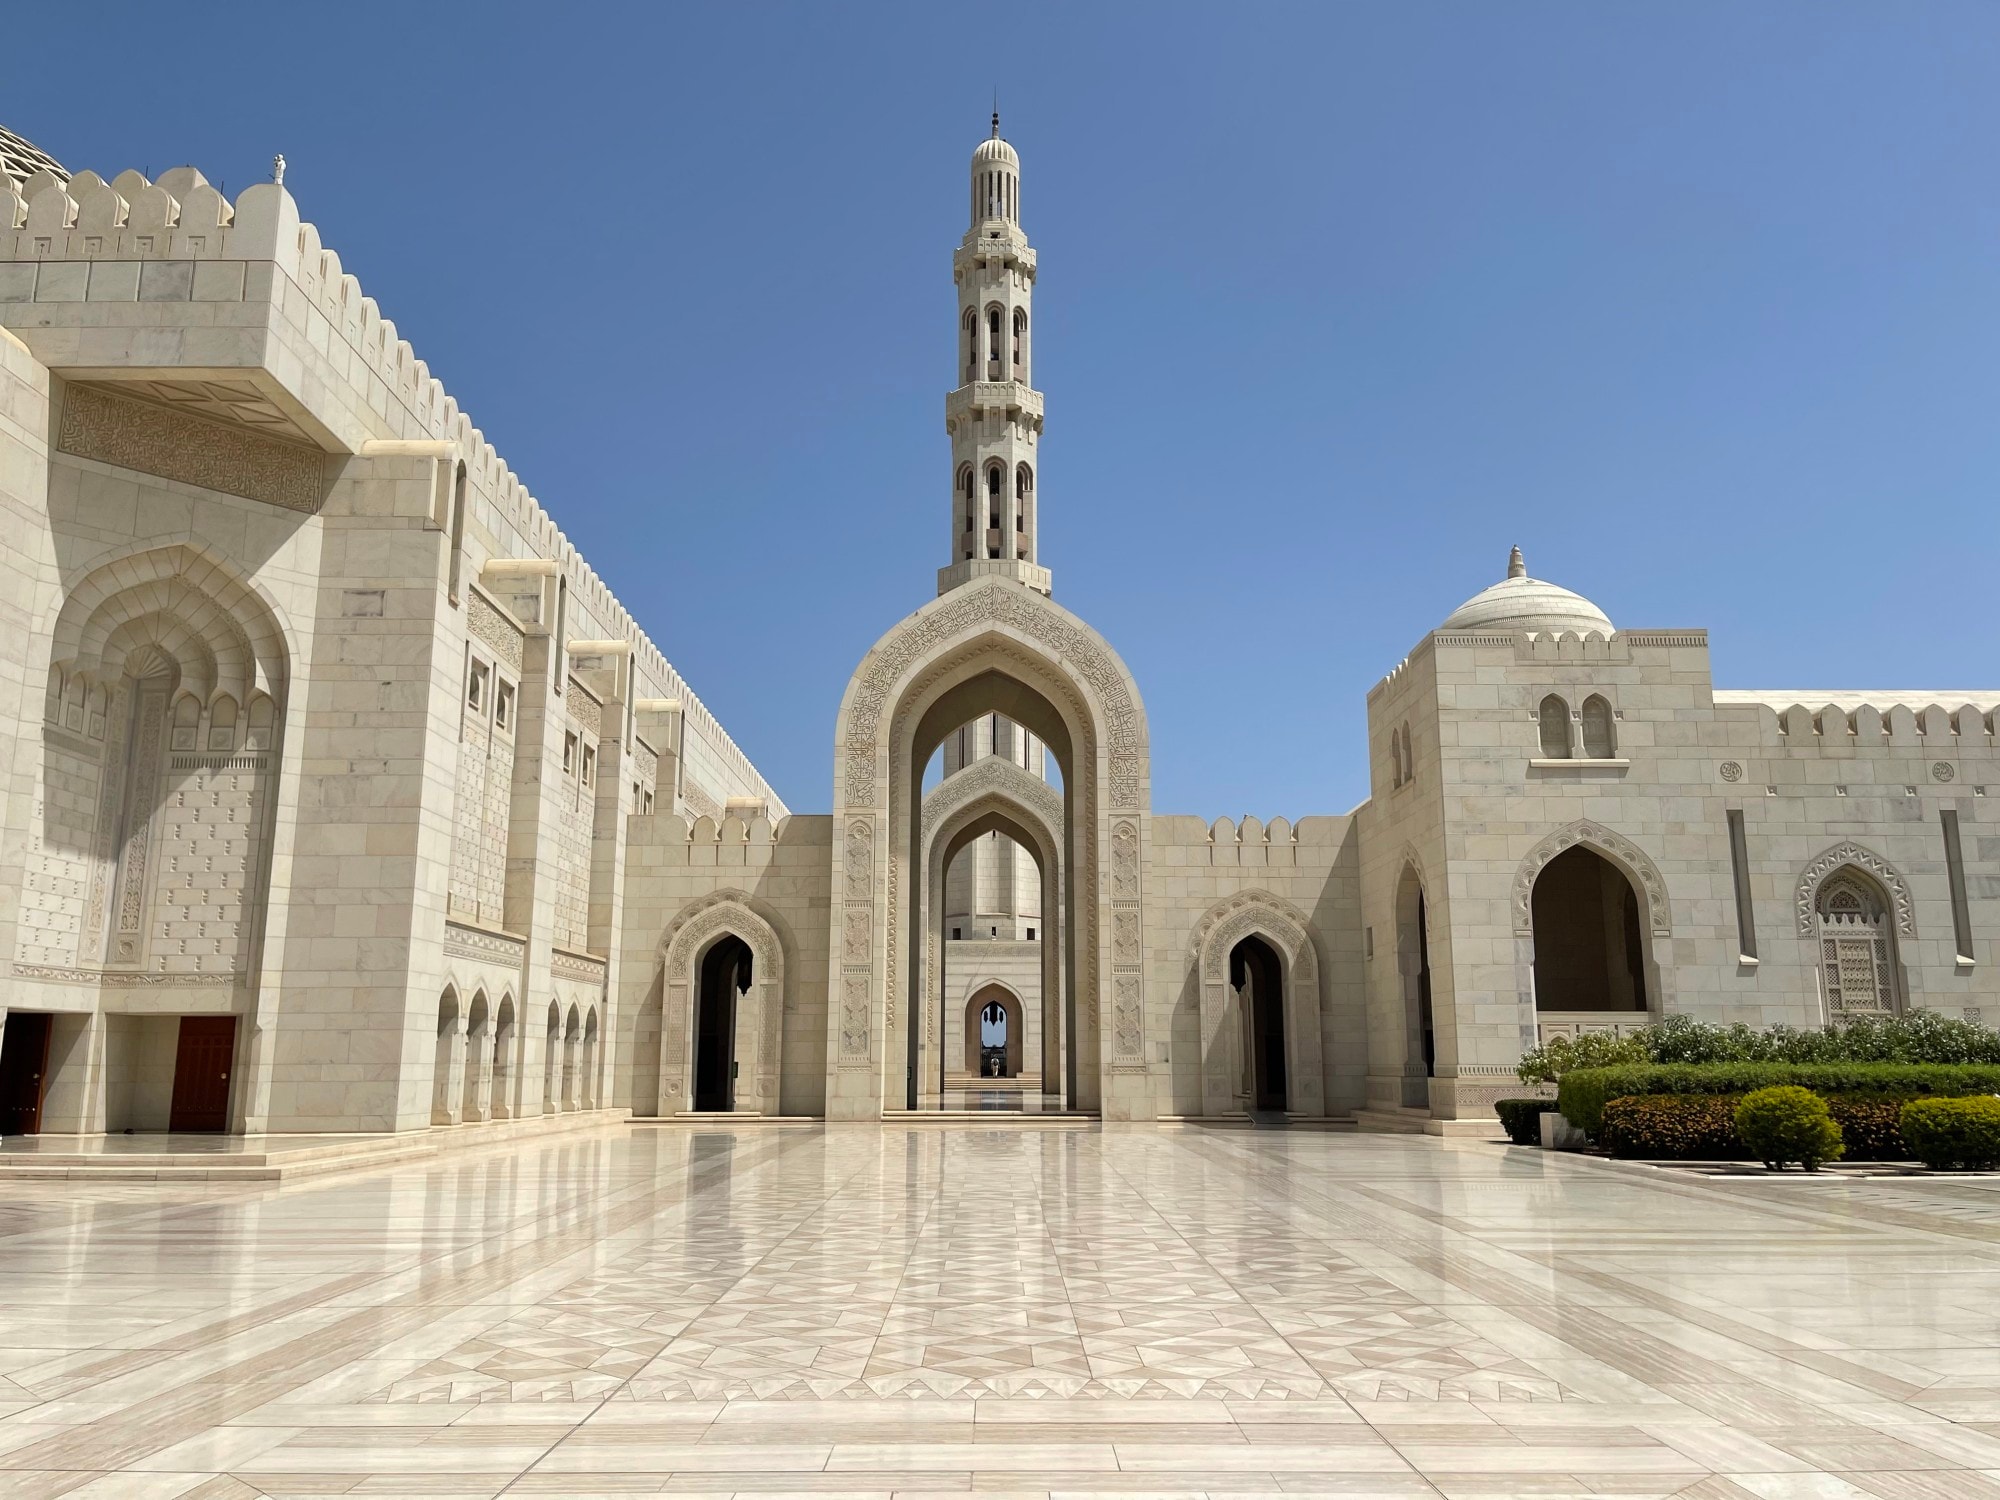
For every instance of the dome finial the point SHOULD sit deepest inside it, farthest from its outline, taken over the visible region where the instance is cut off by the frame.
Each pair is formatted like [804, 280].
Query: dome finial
[1517, 566]
[996, 114]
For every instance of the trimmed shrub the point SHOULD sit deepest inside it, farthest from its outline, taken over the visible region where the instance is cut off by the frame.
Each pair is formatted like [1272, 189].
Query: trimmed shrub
[1583, 1093]
[1672, 1127]
[1948, 1133]
[1788, 1123]
[1522, 1119]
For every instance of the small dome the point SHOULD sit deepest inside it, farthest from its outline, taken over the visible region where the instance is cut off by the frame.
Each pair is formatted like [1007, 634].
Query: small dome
[995, 152]
[21, 160]
[1518, 602]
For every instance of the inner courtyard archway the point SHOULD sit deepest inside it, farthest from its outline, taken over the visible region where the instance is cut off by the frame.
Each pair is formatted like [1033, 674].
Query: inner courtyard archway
[995, 1012]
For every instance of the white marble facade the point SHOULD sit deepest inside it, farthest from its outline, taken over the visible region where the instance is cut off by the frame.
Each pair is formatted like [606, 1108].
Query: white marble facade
[343, 796]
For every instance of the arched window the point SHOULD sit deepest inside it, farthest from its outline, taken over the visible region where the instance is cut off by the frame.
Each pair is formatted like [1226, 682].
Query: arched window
[262, 715]
[1856, 947]
[971, 325]
[187, 722]
[222, 724]
[1555, 728]
[993, 343]
[1600, 740]
[1396, 757]
[966, 490]
[1020, 343]
[1409, 756]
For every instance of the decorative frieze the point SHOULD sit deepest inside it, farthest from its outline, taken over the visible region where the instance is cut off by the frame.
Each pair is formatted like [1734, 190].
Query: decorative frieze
[581, 967]
[481, 946]
[189, 449]
[488, 624]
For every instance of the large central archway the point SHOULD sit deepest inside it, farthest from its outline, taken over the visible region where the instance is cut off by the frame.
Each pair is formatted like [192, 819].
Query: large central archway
[989, 646]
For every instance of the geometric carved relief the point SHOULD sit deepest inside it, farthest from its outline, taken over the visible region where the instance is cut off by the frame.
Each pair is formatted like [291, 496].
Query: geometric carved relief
[190, 449]
[1815, 873]
[1635, 860]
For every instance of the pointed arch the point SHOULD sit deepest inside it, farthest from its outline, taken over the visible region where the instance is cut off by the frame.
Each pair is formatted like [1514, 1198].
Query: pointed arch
[1847, 852]
[989, 645]
[1636, 864]
[1288, 932]
[758, 1036]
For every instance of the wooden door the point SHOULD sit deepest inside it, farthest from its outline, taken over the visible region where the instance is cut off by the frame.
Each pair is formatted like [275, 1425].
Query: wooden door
[24, 1066]
[201, 1073]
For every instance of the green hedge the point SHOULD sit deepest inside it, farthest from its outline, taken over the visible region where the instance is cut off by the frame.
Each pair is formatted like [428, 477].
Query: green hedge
[1522, 1119]
[1583, 1094]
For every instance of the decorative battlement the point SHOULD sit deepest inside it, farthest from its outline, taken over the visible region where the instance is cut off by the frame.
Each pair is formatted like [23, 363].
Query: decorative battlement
[68, 240]
[1918, 720]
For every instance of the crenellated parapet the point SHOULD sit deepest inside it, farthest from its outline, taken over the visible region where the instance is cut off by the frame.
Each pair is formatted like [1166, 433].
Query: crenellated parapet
[1920, 722]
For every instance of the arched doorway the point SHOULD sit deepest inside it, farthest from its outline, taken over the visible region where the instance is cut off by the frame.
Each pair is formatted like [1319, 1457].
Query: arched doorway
[478, 1062]
[988, 646]
[726, 973]
[1590, 942]
[445, 1064]
[552, 1061]
[994, 1023]
[1413, 975]
[1257, 978]
[503, 1060]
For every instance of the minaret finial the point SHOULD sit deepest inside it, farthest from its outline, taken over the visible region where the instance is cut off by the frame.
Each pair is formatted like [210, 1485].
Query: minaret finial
[1517, 566]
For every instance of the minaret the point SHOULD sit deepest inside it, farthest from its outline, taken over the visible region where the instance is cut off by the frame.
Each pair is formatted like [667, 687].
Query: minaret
[994, 417]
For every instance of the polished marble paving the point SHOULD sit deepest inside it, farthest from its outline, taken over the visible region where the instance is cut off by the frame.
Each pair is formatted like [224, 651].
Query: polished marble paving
[934, 1311]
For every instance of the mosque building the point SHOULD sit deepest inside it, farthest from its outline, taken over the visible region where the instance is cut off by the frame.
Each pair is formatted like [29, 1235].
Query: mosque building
[343, 796]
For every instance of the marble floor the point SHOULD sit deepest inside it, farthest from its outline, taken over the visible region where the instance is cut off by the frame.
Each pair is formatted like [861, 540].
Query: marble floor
[937, 1311]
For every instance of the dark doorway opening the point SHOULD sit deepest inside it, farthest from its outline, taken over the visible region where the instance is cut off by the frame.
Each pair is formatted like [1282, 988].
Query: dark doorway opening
[725, 974]
[1258, 978]
[24, 1066]
[202, 1064]
[1590, 950]
[1427, 1026]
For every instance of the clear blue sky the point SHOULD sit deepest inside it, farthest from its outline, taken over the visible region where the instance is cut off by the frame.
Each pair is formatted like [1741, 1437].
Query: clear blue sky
[1699, 303]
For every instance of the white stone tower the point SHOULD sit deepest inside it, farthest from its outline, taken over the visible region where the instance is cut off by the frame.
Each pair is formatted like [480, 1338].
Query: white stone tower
[994, 416]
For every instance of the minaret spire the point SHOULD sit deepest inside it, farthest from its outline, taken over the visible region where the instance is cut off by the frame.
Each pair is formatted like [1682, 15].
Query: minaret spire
[994, 416]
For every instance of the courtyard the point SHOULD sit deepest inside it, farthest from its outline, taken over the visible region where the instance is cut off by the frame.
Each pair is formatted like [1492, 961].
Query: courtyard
[889, 1311]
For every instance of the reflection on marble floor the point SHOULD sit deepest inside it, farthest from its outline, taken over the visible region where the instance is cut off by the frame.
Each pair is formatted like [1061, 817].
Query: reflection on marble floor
[936, 1311]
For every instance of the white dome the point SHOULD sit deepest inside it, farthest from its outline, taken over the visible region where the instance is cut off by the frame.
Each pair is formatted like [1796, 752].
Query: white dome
[1518, 602]
[21, 159]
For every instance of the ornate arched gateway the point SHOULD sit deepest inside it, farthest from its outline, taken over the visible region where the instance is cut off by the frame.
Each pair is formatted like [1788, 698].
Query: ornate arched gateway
[1287, 933]
[754, 1031]
[988, 646]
